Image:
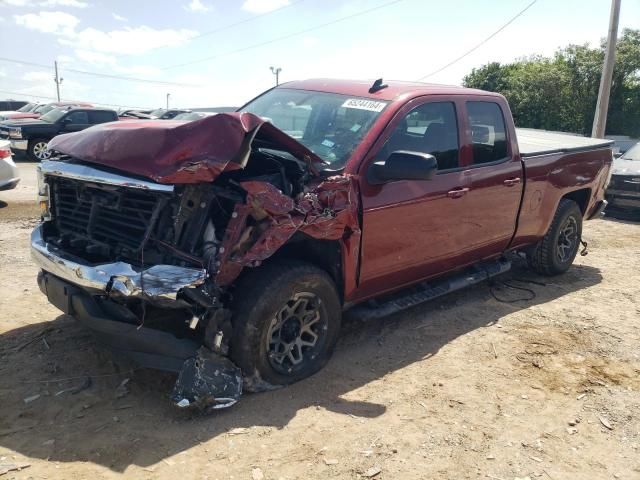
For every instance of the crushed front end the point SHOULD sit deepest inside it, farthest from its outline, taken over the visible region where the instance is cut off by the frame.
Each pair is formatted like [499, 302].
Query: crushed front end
[149, 264]
[129, 259]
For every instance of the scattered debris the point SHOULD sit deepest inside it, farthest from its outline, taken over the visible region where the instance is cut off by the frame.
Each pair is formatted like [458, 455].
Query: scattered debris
[122, 390]
[572, 430]
[169, 462]
[83, 386]
[367, 453]
[256, 474]
[330, 461]
[537, 362]
[11, 467]
[581, 396]
[605, 422]
[495, 354]
[372, 472]
[238, 431]
[32, 398]
[536, 459]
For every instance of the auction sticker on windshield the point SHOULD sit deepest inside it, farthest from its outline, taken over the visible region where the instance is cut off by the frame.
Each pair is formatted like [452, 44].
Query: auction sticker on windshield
[363, 104]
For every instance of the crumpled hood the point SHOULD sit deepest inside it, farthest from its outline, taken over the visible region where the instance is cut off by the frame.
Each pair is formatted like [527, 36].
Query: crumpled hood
[169, 151]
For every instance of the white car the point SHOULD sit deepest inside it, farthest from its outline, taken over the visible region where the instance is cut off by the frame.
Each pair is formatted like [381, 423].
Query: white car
[9, 177]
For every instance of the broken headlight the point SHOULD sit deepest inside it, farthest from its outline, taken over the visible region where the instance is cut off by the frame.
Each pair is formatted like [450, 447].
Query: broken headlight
[44, 198]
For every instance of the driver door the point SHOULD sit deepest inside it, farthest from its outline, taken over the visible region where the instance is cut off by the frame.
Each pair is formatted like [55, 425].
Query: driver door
[75, 121]
[415, 229]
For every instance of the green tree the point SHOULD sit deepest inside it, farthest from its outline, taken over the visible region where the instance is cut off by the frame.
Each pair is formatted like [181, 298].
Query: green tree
[560, 93]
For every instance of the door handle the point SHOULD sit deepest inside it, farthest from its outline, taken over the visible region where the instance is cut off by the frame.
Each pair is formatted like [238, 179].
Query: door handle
[457, 193]
[510, 182]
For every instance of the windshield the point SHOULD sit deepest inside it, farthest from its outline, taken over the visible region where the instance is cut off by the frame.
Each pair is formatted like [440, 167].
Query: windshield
[53, 116]
[157, 113]
[42, 109]
[633, 153]
[27, 108]
[328, 124]
[190, 116]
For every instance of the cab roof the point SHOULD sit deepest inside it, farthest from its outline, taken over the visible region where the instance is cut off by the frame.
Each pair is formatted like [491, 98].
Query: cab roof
[395, 90]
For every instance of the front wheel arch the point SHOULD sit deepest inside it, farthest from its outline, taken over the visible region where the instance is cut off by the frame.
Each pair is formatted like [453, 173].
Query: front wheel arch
[258, 297]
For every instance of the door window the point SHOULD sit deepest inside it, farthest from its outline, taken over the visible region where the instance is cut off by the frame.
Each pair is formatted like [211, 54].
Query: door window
[430, 128]
[99, 116]
[77, 118]
[488, 132]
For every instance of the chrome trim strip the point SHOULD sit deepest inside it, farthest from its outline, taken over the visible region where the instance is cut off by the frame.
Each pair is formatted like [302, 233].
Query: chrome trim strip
[90, 174]
[119, 278]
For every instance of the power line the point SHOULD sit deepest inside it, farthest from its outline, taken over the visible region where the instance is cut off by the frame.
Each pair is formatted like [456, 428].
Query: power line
[285, 37]
[103, 75]
[479, 44]
[246, 20]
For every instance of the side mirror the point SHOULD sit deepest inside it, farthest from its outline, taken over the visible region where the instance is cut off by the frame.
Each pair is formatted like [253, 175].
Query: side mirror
[403, 165]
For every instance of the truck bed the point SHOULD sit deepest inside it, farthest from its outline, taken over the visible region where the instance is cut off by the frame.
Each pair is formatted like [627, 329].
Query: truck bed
[534, 142]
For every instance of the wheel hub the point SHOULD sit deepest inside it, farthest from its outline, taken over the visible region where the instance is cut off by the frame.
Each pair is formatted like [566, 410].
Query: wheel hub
[567, 239]
[296, 334]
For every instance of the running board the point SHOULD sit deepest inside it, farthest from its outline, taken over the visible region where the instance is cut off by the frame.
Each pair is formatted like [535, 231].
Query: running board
[426, 291]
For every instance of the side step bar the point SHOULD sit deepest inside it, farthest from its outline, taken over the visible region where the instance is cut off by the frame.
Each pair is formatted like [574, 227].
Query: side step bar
[426, 291]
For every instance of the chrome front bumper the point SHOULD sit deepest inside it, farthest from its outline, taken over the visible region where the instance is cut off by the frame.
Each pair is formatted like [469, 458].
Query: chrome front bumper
[160, 282]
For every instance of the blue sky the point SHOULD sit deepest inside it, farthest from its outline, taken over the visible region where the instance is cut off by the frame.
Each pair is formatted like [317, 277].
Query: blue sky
[146, 39]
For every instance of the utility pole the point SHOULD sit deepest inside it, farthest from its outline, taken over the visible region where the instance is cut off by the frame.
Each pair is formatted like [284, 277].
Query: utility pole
[168, 95]
[602, 107]
[57, 79]
[276, 71]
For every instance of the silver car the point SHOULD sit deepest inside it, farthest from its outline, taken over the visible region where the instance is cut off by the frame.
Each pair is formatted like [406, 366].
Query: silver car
[9, 177]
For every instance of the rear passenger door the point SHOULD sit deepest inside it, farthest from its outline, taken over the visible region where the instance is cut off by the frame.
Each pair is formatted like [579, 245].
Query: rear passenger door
[100, 116]
[495, 175]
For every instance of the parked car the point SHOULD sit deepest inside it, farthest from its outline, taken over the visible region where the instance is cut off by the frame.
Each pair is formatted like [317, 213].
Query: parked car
[41, 109]
[11, 105]
[624, 189]
[163, 114]
[29, 107]
[31, 136]
[9, 176]
[134, 114]
[190, 116]
[227, 250]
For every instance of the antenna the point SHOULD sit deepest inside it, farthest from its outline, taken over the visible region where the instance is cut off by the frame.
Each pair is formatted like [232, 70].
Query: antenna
[377, 86]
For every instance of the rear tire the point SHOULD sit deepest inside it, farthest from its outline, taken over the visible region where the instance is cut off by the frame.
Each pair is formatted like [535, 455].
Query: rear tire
[555, 253]
[286, 321]
[37, 149]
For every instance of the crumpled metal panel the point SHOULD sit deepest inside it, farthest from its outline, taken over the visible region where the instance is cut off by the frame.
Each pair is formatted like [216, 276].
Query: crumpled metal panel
[327, 211]
[159, 282]
[176, 152]
[207, 382]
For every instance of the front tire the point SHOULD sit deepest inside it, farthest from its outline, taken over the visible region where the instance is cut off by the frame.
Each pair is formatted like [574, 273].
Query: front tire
[286, 323]
[38, 150]
[557, 250]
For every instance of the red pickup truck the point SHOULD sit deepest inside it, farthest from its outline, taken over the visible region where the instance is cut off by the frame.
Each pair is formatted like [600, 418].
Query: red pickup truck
[227, 248]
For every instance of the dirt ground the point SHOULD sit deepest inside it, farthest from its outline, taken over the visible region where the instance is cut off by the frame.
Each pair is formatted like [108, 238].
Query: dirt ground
[464, 387]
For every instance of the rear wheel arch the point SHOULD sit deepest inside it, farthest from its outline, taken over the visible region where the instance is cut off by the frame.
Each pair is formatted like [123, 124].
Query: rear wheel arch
[580, 197]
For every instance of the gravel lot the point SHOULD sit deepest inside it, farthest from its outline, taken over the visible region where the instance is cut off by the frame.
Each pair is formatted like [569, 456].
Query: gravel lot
[464, 387]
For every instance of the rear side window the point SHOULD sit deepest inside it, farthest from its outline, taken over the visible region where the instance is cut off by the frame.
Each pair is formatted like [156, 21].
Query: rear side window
[430, 128]
[98, 116]
[488, 132]
[78, 118]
